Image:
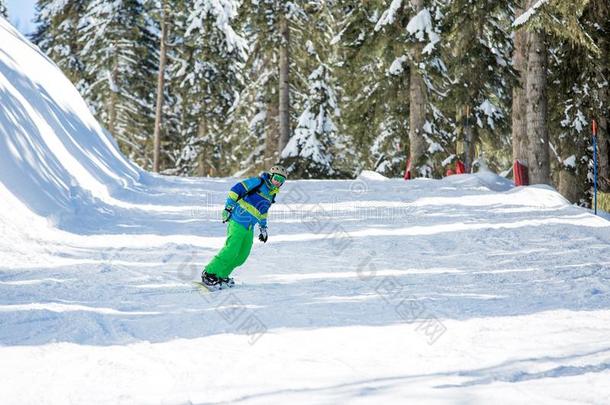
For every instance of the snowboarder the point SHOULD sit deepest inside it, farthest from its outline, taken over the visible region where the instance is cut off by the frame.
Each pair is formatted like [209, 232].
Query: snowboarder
[247, 205]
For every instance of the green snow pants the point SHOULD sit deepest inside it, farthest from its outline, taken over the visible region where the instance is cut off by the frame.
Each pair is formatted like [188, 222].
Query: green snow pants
[235, 251]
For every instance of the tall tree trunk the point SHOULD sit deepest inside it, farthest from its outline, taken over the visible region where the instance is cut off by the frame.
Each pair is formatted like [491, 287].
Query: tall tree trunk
[160, 89]
[272, 135]
[604, 146]
[417, 107]
[113, 100]
[203, 166]
[519, 126]
[536, 113]
[468, 141]
[569, 186]
[284, 84]
[572, 182]
[603, 131]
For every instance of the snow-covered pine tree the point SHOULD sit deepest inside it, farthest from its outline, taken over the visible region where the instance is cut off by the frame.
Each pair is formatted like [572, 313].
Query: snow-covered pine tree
[309, 153]
[210, 76]
[318, 100]
[162, 11]
[374, 112]
[254, 120]
[57, 34]
[413, 31]
[601, 9]
[558, 18]
[545, 20]
[277, 35]
[519, 64]
[478, 54]
[579, 93]
[570, 101]
[180, 122]
[119, 53]
[263, 25]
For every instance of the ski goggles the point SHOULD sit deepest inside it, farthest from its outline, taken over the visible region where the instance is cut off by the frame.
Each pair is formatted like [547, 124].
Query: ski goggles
[278, 178]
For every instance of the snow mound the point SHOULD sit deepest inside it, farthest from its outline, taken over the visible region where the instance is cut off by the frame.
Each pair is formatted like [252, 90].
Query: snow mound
[483, 178]
[540, 195]
[54, 156]
[371, 175]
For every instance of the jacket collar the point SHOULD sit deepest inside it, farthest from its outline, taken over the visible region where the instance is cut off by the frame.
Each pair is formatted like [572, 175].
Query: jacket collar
[267, 179]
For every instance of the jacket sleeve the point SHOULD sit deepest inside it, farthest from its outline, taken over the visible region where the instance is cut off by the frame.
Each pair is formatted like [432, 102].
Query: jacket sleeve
[240, 189]
[262, 223]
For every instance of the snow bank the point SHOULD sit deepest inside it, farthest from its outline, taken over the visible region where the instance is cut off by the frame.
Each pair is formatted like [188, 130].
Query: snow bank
[54, 156]
[483, 178]
[371, 175]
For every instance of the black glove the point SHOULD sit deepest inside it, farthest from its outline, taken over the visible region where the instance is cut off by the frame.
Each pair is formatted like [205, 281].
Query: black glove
[263, 235]
[226, 214]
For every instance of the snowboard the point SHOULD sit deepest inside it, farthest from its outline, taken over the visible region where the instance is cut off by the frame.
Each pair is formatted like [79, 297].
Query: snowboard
[207, 288]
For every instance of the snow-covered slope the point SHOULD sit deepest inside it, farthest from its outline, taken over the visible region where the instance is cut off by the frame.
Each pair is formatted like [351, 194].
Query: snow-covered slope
[368, 291]
[52, 147]
[54, 156]
[376, 290]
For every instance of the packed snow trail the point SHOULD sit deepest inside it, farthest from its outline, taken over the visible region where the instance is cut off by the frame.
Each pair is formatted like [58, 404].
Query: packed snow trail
[461, 290]
[340, 306]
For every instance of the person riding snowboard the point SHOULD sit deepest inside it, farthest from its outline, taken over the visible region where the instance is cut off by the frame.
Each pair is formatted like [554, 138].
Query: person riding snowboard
[247, 205]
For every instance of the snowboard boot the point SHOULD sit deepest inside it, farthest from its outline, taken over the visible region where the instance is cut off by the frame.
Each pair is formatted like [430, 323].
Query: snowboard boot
[227, 282]
[210, 280]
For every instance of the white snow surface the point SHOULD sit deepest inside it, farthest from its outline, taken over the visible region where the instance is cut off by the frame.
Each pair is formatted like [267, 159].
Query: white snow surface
[371, 175]
[462, 290]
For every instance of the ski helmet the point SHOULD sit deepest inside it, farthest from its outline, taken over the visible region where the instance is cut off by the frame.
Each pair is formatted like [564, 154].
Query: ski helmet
[277, 169]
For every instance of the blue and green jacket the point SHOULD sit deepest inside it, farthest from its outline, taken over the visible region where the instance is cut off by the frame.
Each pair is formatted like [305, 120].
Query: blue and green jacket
[249, 209]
